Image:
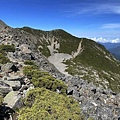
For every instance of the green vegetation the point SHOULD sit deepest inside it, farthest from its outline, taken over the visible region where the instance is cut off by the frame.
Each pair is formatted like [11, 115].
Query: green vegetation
[94, 63]
[29, 62]
[44, 79]
[39, 33]
[90, 119]
[7, 48]
[34, 32]
[68, 43]
[3, 59]
[3, 50]
[43, 104]
[45, 51]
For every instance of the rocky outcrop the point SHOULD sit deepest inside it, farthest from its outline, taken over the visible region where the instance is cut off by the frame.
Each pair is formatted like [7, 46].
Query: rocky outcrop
[95, 102]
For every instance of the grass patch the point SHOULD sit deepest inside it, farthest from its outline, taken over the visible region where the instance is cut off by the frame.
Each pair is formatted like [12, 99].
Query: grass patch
[7, 48]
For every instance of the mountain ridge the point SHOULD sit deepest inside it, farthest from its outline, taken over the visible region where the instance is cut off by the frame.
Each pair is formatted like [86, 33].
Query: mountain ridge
[26, 55]
[93, 55]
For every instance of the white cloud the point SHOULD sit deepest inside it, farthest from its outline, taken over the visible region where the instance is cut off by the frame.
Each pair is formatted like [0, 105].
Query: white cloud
[109, 8]
[104, 40]
[95, 8]
[117, 40]
[111, 26]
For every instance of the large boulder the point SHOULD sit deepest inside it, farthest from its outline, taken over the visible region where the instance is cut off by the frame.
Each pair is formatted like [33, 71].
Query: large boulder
[14, 84]
[25, 49]
[9, 67]
[13, 100]
[14, 81]
[4, 88]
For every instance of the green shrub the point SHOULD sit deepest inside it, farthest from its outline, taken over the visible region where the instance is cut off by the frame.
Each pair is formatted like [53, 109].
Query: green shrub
[7, 48]
[43, 104]
[50, 83]
[44, 79]
[29, 62]
[3, 49]
[90, 118]
[3, 59]
[29, 70]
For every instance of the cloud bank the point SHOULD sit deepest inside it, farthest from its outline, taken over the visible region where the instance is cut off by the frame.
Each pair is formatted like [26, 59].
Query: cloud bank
[105, 40]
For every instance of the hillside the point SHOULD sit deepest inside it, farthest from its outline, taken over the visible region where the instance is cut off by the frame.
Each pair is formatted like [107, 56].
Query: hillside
[79, 56]
[53, 75]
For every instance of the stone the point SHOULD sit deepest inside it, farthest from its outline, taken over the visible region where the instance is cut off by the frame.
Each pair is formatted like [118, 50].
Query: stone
[16, 85]
[4, 88]
[25, 49]
[13, 100]
[9, 67]
[70, 90]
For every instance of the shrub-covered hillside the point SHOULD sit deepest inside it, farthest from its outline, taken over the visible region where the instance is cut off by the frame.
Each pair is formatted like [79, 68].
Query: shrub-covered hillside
[92, 62]
[44, 102]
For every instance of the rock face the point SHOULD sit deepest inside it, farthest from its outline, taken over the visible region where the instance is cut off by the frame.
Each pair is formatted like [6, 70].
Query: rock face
[95, 102]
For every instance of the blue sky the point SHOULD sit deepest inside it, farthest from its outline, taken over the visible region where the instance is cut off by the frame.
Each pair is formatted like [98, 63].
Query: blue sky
[82, 18]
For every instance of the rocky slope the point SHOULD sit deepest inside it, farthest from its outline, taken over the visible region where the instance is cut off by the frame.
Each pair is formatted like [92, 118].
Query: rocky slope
[87, 59]
[79, 56]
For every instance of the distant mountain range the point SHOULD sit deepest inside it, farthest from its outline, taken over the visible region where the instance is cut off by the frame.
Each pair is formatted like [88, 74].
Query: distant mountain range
[114, 48]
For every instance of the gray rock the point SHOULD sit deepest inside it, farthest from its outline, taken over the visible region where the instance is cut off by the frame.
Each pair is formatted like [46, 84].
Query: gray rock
[4, 88]
[9, 67]
[13, 100]
[2, 25]
[16, 85]
[15, 78]
[25, 48]
[95, 102]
